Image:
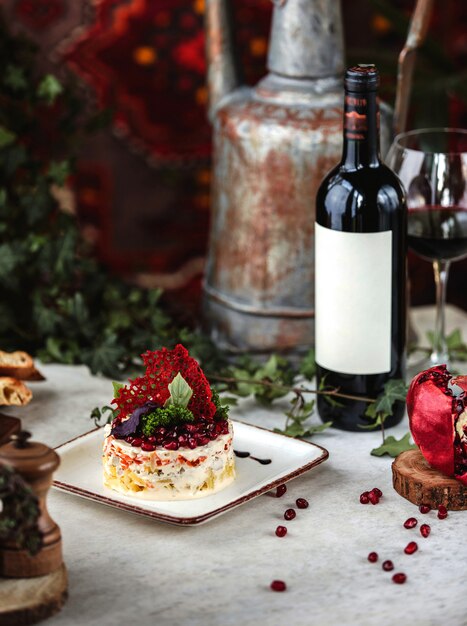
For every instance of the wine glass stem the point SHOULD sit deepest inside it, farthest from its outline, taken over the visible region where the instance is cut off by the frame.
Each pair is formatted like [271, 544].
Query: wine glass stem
[440, 352]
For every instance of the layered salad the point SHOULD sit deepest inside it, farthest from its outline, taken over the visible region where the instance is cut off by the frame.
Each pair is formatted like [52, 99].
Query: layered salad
[170, 438]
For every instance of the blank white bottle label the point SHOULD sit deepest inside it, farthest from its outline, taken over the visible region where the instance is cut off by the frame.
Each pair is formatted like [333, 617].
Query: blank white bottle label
[353, 301]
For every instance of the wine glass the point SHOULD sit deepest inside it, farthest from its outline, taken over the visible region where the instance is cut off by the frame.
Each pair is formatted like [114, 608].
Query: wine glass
[432, 166]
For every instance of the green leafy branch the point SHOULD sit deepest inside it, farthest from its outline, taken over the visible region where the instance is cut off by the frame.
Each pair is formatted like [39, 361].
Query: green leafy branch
[455, 344]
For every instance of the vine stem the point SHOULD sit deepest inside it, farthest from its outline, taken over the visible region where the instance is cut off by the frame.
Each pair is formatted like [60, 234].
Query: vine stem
[297, 390]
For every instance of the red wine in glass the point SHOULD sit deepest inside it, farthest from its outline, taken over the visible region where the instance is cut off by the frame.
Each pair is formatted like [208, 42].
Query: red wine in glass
[438, 232]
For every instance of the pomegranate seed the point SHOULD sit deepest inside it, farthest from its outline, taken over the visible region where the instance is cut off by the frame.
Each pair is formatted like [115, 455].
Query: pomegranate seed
[278, 585]
[378, 492]
[301, 503]
[202, 441]
[442, 512]
[171, 445]
[425, 530]
[411, 547]
[424, 508]
[147, 447]
[281, 531]
[399, 578]
[373, 497]
[136, 443]
[192, 443]
[182, 440]
[152, 439]
[289, 514]
[373, 557]
[364, 499]
[388, 566]
[280, 491]
[410, 523]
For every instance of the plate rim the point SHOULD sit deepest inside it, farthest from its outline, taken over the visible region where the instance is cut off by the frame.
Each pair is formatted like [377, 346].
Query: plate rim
[191, 521]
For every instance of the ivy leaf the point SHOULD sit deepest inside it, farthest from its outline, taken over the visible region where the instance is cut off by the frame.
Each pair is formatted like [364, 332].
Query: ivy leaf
[49, 89]
[58, 172]
[455, 344]
[308, 365]
[104, 356]
[180, 392]
[6, 137]
[394, 390]
[15, 78]
[228, 401]
[297, 430]
[393, 446]
[46, 318]
[99, 413]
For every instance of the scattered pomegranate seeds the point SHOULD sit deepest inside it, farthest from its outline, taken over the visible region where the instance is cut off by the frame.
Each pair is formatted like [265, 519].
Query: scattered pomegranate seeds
[378, 492]
[278, 585]
[364, 499]
[424, 508]
[301, 503]
[410, 523]
[425, 530]
[373, 497]
[411, 547]
[373, 557]
[137, 441]
[289, 514]
[280, 491]
[442, 512]
[399, 578]
[281, 531]
[388, 566]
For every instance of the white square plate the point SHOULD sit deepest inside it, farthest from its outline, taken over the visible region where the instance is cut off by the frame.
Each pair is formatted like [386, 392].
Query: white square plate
[80, 473]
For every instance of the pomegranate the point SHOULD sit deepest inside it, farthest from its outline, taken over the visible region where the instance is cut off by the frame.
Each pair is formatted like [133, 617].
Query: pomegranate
[437, 408]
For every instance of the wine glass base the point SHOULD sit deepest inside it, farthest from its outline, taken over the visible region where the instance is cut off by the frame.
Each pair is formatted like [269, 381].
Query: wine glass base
[439, 358]
[417, 363]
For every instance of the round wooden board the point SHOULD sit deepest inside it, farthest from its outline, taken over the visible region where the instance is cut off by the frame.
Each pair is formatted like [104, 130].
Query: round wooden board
[29, 600]
[415, 480]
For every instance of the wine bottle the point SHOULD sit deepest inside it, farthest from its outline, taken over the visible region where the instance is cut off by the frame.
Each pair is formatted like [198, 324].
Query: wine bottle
[360, 247]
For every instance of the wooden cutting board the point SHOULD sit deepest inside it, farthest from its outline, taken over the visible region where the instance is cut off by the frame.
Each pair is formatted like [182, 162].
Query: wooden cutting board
[29, 600]
[415, 480]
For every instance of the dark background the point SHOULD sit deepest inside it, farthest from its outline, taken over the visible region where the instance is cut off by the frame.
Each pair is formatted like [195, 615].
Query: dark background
[142, 186]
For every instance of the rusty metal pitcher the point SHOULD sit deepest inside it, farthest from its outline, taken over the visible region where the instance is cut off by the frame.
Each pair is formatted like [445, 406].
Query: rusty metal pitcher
[273, 144]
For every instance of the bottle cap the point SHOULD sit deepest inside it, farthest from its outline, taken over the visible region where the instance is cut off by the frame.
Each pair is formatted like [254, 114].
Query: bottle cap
[362, 77]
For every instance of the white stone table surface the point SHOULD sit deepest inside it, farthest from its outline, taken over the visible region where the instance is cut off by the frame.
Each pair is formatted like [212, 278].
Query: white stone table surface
[125, 569]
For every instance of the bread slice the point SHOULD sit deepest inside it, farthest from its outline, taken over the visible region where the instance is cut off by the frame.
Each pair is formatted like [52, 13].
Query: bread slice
[14, 392]
[19, 365]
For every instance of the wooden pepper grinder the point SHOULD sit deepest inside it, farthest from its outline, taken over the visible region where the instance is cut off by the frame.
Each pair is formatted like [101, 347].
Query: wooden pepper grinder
[35, 463]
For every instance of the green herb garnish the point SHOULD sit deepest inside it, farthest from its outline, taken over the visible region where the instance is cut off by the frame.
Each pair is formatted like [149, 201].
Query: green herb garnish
[166, 417]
